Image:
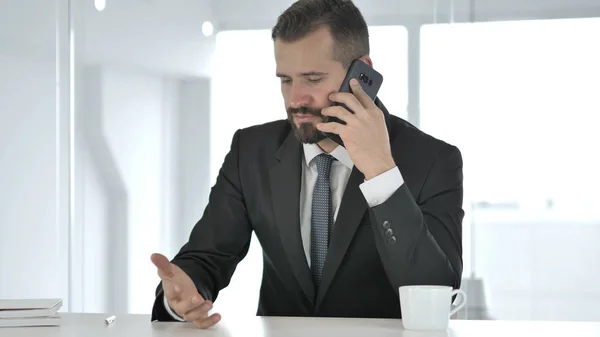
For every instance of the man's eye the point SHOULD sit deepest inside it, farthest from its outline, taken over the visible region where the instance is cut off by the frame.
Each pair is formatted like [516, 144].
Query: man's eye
[285, 81]
[314, 80]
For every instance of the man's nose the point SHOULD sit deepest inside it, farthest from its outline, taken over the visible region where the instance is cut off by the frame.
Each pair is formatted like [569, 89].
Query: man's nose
[299, 97]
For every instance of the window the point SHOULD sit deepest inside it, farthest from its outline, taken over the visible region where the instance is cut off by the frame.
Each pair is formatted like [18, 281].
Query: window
[389, 52]
[246, 92]
[520, 101]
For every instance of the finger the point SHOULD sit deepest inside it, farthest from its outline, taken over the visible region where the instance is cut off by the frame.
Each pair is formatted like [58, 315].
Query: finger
[163, 265]
[206, 323]
[349, 100]
[339, 112]
[199, 312]
[361, 95]
[331, 127]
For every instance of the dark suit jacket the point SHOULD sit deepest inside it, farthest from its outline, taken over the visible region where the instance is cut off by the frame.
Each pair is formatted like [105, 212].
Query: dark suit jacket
[412, 238]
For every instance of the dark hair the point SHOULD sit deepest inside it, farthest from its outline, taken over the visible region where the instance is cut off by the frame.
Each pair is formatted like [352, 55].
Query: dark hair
[344, 20]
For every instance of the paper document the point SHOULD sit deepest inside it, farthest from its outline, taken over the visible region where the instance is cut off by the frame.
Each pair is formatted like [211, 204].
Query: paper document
[53, 320]
[29, 308]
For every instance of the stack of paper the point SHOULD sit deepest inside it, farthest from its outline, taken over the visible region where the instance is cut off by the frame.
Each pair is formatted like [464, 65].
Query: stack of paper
[29, 312]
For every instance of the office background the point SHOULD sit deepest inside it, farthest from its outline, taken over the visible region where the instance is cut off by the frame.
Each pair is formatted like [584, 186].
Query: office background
[114, 123]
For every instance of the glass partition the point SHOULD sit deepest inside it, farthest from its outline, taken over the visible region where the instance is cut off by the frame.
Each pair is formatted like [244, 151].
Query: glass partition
[33, 149]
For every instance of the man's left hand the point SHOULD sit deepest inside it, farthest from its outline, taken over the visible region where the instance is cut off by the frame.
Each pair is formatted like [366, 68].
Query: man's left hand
[365, 134]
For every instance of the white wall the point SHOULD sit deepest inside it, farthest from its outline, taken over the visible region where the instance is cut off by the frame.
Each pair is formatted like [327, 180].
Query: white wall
[28, 229]
[129, 61]
[132, 121]
[193, 158]
[33, 230]
[121, 136]
[141, 144]
[137, 129]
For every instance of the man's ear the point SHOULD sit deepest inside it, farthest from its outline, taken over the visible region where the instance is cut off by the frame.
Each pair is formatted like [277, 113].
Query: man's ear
[367, 59]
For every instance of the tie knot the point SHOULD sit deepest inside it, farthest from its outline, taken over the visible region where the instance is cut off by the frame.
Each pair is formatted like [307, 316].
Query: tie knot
[324, 161]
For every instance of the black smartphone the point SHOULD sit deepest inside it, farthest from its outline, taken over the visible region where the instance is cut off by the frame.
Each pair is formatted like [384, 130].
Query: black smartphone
[370, 80]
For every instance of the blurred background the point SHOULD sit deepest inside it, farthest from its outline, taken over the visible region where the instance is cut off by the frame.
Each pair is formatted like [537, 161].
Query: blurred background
[115, 117]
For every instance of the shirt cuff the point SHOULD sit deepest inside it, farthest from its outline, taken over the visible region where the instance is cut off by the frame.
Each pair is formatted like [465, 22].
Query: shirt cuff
[170, 311]
[379, 189]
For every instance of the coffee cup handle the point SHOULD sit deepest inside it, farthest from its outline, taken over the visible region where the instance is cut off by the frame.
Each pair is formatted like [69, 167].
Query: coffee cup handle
[461, 299]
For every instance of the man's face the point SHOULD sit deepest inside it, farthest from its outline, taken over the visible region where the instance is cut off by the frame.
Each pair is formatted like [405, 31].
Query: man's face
[308, 74]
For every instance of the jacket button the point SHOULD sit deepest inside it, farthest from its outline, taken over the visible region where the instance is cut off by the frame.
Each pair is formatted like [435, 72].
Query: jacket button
[389, 232]
[386, 225]
[392, 240]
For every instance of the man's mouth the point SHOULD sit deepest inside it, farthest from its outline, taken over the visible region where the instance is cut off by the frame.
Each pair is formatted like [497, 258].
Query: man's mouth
[304, 117]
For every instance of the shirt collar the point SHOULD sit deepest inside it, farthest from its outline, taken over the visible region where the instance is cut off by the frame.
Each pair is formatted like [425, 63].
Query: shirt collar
[339, 153]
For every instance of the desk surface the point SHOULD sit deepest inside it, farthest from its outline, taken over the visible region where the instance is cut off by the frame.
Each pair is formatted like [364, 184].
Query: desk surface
[92, 325]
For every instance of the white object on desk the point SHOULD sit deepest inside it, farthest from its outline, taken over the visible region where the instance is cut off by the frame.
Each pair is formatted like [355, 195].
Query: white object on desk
[50, 321]
[29, 312]
[428, 307]
[110, 320]
[24, 308]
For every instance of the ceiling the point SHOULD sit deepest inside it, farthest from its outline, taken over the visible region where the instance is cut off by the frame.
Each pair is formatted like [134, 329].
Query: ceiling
[166, 35]
[261, 14]
[160, 35]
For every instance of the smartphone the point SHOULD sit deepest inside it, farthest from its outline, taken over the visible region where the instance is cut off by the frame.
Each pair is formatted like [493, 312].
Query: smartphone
[370, 80]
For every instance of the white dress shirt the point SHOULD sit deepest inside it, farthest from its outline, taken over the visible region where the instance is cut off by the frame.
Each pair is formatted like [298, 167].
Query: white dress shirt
[376, 191]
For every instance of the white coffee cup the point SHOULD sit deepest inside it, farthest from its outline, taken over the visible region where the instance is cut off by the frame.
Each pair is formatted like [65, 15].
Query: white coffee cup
[426, 307]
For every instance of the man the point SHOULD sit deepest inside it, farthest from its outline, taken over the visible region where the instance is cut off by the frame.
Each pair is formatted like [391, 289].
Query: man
[341, 228]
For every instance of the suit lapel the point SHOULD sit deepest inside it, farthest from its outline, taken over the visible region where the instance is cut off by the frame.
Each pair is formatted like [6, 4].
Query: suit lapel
[285, 179]
[351, 212]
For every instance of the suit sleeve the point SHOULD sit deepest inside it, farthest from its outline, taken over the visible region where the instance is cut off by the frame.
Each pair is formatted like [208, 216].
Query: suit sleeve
[421, 243]
[220, 239]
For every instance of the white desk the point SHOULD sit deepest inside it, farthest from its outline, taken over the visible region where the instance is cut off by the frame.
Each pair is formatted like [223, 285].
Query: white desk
[92, 325]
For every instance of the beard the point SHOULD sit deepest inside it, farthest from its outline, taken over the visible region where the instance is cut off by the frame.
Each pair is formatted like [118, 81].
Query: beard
[306, 133]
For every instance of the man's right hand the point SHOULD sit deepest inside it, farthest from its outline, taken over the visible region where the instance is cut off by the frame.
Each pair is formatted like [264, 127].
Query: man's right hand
[182, 295]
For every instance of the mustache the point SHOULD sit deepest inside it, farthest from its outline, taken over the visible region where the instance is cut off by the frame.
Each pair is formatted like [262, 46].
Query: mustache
[305, 110]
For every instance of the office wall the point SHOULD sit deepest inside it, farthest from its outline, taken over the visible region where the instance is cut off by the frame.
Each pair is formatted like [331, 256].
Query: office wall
[29, 231]
[141, 93]
[141, 115]
[140, 163]
[193, 150]
[120, 169]
[141, 144]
